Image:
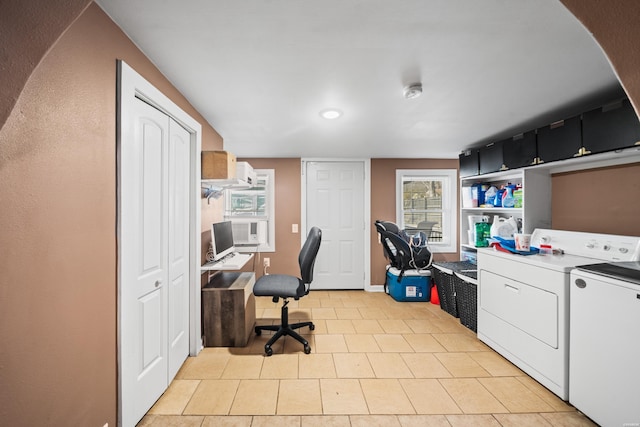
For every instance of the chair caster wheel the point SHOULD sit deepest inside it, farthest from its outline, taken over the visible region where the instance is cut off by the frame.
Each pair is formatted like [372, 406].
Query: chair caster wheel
[307, 349]
[312, 327]
[258, 331]
[268, 351]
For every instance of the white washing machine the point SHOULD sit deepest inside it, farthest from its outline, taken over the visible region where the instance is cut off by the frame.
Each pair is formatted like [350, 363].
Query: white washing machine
[523, 300]
[604, 361]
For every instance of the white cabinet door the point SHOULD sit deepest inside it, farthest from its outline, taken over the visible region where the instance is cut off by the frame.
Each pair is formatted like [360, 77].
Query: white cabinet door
[335, 203]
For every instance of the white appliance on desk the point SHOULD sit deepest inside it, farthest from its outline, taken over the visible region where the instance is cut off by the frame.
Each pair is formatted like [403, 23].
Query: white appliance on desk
[604, 368]
[523, 300]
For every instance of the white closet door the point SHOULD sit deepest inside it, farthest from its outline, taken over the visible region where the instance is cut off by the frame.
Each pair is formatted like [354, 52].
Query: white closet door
[178, 284]
[335, 203]
[144, 255]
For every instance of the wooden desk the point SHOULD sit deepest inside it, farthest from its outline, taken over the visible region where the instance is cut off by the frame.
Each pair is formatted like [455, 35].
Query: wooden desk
[228, 309]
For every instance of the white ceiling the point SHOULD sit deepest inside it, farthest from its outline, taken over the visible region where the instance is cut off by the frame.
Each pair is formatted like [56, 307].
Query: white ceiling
[260, 71]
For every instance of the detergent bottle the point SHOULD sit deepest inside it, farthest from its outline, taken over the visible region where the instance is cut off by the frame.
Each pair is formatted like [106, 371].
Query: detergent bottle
[495, 226]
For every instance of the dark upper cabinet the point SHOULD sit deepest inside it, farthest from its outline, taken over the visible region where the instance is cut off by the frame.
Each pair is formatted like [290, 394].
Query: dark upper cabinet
[520, 150]
[560, 140]
[468, 163]
[611, 127]
[490, 157]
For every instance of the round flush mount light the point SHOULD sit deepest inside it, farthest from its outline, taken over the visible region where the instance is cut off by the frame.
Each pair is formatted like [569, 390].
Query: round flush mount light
[330, 113]
[412, 91]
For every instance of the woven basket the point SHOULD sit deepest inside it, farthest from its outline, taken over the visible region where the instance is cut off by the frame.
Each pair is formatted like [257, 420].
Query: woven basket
[467, 303]
[446, 291]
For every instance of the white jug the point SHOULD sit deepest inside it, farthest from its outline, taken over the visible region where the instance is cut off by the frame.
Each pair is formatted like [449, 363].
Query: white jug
[503, 227]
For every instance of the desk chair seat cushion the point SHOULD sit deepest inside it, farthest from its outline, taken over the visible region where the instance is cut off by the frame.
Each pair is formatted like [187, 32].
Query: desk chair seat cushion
[279, 285]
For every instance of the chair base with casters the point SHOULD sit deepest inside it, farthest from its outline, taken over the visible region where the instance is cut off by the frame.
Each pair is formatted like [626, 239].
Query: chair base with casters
[286, 286]
[285, 329]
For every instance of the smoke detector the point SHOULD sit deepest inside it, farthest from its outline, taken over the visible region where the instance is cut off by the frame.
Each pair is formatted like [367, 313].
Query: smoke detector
[413, 90]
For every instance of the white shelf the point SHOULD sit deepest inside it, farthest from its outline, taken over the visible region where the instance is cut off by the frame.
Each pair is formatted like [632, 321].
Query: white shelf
[536, 201]
[497, 210]
[237, 264]
[226, 183]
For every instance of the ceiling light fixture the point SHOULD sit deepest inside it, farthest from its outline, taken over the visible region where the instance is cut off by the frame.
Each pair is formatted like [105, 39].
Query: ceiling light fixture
[330, 113]
[413, 90]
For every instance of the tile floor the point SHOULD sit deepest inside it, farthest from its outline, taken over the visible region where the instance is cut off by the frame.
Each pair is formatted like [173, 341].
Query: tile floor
[374, 362]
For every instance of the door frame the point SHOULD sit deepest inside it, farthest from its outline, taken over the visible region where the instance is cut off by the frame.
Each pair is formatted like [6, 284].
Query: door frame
[366, 209]
[132, 85]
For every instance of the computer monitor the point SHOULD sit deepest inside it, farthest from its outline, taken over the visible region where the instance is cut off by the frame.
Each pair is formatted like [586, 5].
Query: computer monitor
[221, 239]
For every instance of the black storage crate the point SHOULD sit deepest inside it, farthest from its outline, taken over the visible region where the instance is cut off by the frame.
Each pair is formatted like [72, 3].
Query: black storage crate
[468, 163]
[467, 298]
[560, 140]
[520, 150]
[490, 158]
[611, 127]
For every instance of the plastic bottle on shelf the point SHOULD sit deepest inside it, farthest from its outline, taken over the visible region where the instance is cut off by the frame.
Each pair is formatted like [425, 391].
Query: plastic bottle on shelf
[508, 200]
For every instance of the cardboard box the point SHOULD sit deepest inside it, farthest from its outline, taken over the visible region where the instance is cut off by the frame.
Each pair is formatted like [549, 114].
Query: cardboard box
[413, 286]
[218, 165]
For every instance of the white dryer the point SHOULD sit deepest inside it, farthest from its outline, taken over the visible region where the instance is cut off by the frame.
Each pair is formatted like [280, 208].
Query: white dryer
[523, 300]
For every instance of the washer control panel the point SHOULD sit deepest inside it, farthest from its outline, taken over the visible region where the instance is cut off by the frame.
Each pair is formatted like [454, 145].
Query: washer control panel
[607, 247]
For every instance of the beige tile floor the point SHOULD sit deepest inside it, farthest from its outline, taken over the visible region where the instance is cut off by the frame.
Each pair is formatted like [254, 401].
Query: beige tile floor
[374, 362]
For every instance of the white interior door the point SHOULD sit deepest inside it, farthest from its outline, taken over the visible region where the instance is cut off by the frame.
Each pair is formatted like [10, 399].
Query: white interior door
[335, 203]
[143, 261]
[178, 283]
[158, 243]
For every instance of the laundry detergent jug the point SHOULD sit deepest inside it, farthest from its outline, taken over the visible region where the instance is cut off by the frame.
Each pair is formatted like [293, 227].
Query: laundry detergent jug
[503, 227]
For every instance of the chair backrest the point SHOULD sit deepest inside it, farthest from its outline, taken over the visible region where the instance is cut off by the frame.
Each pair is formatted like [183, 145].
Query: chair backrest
[308, 253]
[385, 228]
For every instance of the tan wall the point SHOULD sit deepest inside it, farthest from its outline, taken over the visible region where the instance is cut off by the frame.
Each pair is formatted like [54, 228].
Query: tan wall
[57, 199]
[44, 21]
[383, 204]
[605, 200]
[58, 230]
[288, 202]
[614, 25]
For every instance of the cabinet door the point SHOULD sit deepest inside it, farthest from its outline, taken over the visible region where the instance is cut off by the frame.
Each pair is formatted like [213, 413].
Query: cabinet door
[611, 127]
[468, 163]
[560, 140]
[520, 150]
[490, 158]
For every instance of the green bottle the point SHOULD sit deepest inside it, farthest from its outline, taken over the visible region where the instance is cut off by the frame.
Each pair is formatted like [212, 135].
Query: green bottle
[482, 235]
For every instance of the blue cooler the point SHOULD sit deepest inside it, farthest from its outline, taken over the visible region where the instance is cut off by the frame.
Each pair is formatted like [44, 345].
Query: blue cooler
[414, 286]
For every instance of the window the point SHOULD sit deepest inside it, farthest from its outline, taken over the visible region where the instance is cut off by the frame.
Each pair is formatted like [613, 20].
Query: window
[254, 205]
[426, 201]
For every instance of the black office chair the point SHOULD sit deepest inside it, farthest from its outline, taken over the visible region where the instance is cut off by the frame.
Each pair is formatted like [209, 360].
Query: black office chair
[285, 287]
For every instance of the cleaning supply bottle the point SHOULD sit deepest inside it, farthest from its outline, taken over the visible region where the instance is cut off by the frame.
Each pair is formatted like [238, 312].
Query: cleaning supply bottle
[482, 234]
[495, 226]
[507, 199]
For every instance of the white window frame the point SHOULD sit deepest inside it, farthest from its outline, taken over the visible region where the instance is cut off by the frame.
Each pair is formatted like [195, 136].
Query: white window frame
[270, 245]
[449, 204]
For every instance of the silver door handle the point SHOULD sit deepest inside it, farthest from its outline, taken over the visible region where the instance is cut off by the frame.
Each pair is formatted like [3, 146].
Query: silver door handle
[512, 288]
[158, 283]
